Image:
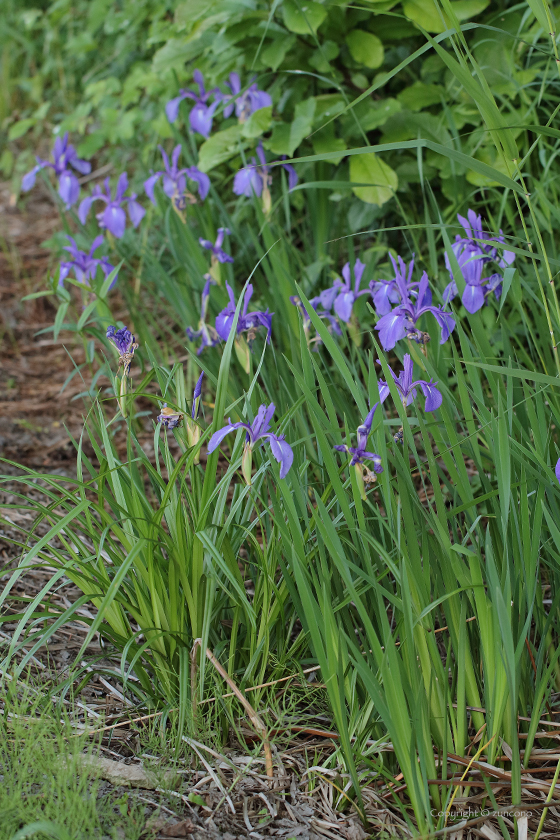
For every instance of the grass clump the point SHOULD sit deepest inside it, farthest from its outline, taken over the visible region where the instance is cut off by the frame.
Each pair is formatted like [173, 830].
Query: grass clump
[46, 790]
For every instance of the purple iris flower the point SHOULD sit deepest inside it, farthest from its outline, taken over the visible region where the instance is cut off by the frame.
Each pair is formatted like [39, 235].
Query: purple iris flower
[175, 179]
[84, 265]
[472, 258]
[494, 284]
[64, 156]
[402, 320]
[344, 295]
[557, 469]
[216, 247]
[256, 177]
[385, 293]
[113, 217]
[247, 322]
[208, 335]
[407, 388]
[479, 238]
[202, 114]
[359, 453]
[259, 429]
[125, 343]
[245, 103]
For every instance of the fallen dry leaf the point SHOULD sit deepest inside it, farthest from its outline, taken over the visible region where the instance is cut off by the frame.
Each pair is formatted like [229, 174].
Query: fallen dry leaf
[134, 775]
[155, 824]
[180, 829]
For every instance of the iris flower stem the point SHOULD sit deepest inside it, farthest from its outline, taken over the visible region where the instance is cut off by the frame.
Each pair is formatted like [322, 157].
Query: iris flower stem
[122, 394]
[180, 213]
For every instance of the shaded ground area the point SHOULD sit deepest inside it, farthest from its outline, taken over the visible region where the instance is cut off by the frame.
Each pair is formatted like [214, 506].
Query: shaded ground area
[33, 367]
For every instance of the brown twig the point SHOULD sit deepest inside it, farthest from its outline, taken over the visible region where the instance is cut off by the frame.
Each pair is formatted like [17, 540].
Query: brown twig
[255, 719]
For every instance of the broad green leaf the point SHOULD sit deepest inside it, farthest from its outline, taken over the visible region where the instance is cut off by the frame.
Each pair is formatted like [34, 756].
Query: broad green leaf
[93, 142]
[176, 51]
[480, 180]
[279, 143]
[378, 113]
[323, 55]
[406, 125]
[446, 151]
[325, 141]
[328, 105]
[420, 95]
[370, 169]
[273, 55]
[303, 17]
[287, 137]
[258, 123]
[365, 48]
[20, 128]
[187, 12]
[220, 147]
[430, 18]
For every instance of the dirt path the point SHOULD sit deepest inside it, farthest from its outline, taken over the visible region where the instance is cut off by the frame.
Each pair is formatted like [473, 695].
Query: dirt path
[33, 367]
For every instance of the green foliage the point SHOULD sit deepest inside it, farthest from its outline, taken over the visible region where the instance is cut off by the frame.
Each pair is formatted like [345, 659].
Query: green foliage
[103, 72]
[423, 599]
[46, 791]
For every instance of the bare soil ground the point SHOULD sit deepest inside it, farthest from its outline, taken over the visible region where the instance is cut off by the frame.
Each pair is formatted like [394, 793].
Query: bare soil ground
[33, 367]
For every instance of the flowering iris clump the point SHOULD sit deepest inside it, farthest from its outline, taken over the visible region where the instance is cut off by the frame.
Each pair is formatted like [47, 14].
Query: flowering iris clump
[407, 388]
[473, 253]
[218, 253]
[64, 157]
[113, 217]
[202, 114]
[256, 179]
[360, 454]
[245, 103]
[402, 321]
[208, 335]
[84, 265]
[259, 429]
[175, 179]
